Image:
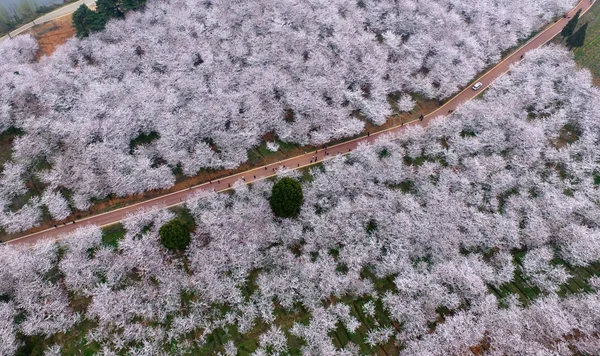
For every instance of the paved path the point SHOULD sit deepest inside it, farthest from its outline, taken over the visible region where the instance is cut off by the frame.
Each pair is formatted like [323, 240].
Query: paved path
[308, 159]
[63, 11]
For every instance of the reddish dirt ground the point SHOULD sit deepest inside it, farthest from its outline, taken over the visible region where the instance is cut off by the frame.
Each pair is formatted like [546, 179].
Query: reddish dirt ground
[52, 34]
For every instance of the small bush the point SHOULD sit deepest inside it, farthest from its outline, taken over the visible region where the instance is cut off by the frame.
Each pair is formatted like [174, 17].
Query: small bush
[286, 198]
[174, 235]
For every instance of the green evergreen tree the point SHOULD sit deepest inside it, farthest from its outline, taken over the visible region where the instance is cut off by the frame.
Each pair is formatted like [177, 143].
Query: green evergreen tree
[286, 198]
[84, 21]
[174, 235]
[109, 9]
[578, 38]
[98, 22]
[87, 21]
[128, 5]
[570, 26]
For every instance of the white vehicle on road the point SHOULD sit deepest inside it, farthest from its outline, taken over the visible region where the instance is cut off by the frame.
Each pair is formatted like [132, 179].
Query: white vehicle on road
[477, 86]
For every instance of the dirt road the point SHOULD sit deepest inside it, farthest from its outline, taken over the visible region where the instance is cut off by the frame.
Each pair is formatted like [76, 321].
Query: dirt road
[309, 158]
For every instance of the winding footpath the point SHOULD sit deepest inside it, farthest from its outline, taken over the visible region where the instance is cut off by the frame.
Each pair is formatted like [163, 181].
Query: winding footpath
[308, 159]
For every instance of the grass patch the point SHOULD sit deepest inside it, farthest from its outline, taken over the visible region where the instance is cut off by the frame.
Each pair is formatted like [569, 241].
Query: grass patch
[406, 186]
[6, 140]
[185, 216]
[588, 54]
[409, 161]
[261, 152]
[502, 198]
[73, 342]
[112, 234]
[307, 177]
[569, 133]
[383, 153]
[143, 139]
[467, 133]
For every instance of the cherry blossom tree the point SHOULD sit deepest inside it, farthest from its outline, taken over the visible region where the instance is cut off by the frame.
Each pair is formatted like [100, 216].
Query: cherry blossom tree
[406, 103]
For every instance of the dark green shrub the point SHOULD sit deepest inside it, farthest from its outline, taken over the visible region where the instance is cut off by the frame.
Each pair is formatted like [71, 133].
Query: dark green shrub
[174, 235]
[286, 198]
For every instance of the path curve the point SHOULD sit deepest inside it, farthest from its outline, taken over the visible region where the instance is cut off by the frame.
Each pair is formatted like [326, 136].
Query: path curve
[308, 159]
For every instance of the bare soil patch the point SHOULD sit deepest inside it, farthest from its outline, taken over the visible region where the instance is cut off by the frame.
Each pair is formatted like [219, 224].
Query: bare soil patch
[52, 34]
